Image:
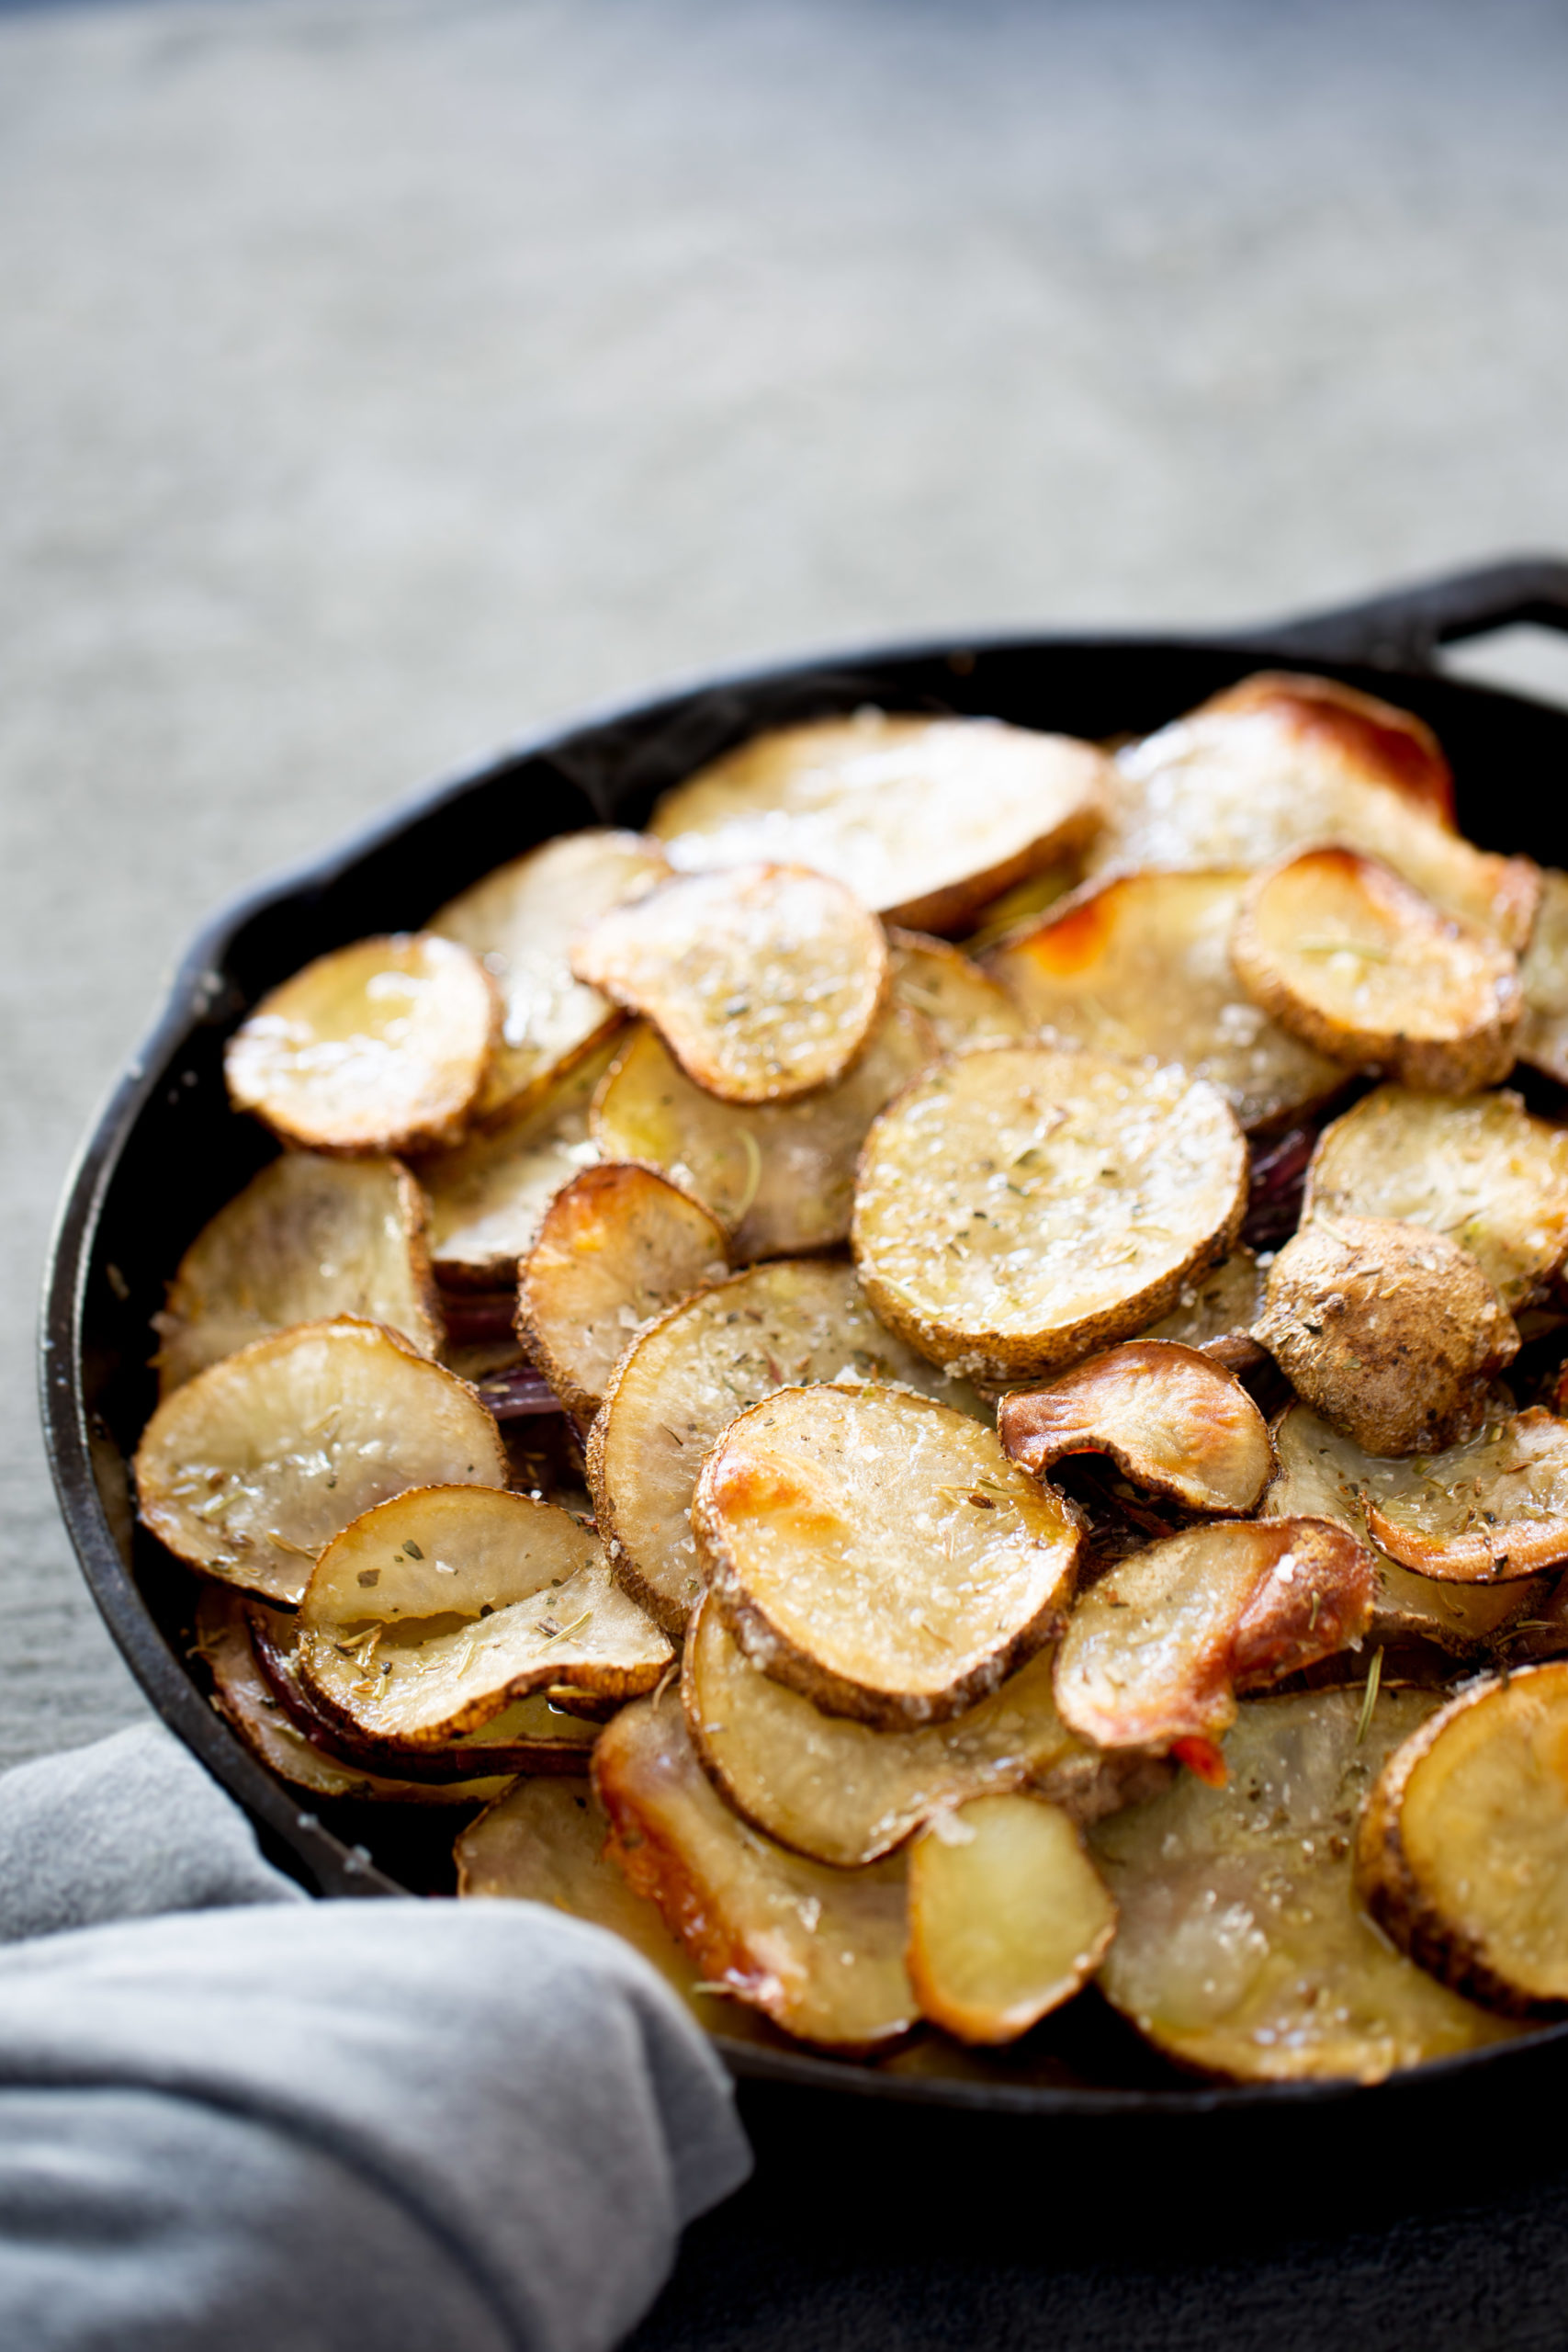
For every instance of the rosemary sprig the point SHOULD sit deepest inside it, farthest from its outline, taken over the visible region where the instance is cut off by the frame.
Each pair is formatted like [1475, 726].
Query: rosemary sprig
[1375, 1677]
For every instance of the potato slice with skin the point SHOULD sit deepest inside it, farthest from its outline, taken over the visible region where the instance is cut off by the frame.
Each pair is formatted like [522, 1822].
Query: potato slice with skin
[379, 1047]
[1241, 1947]
[683, 1381]
[925, 820]
[307, 1239]
[1017, 1206]
[1007, 1916]
[1463, 1854]
[1171, 1420]
[431, 1614]
[818, 1951]
[780, 1176]
[1336, 726]
[520, 921]
[1542, 1039]
[764, 981]
[964, 1005]
[251, 1468]
[1219, 1304]
[1139, 966]
[1494, 1508]
[619, 1245]
[1350, 957]
[1483, 1173]
[1156, 1650]
[879, 1552]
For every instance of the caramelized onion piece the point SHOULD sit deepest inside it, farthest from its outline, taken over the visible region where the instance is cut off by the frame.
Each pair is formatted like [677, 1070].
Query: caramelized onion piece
[1171, 1419]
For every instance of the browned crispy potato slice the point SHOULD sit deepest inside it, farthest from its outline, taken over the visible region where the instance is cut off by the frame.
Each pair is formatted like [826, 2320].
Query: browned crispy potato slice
[1542, 1039]
[1241, 1947]
[965, 1006]
[309, 1239]
[1347, 956]
[1156, 1650]
[1493, 1507]
[519, 922]
[1220, 1304]
[1139, 966]
[683, 1381]
[1483, 1173]
[1171, 1420]
[1463, 1853]
[433, 1613]
[818, 1951]
[1018, 1206]
[488, 1197]
[1324, 1476]
[764, 981]
[1336, 726]
[379, 1047]
[251, 1468]
[924, 819]
[780, 1176]
[879, 1552]
[1008, 1916]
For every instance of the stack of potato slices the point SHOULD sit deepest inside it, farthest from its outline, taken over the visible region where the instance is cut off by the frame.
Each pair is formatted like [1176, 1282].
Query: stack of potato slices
[935, 1390]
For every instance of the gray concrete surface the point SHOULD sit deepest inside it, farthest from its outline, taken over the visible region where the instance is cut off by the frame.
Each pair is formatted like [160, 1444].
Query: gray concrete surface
[382, 377]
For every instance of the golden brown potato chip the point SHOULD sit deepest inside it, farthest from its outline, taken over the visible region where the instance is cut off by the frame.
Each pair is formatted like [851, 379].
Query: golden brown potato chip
[379, 1047]
[964, 1005]
[1542, 1039]
[924, 819]
[1018, 1206]
[1171, 1420]
[1494, 1507]
[488, 1197]
[1347, 956]
[1139, 966]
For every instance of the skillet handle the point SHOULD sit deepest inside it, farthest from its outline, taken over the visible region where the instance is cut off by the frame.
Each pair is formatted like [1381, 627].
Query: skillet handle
[1404, 629]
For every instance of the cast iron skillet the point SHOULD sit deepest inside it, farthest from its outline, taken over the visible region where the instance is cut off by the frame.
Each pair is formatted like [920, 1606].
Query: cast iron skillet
[167, 1152]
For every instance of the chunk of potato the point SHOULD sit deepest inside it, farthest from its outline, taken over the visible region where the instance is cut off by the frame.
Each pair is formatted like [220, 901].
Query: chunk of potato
[1171, 1420]
[1542, 1039]
[963, 1004]
[1493, 1507]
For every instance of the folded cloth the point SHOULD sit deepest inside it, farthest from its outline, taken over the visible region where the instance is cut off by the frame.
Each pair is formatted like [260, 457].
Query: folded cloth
[332, 2127]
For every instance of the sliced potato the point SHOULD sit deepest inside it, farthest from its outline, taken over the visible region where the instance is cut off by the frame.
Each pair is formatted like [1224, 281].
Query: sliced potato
[683, 1381]
[1388, 1330]
[1018, 1206]
[1463, 1853]
[1494, 1508]
[764, 981]
[488, 1197]
[1171, 1420]
[1336, 726]
[879, 1552]
[780, 1176]
[619, 1245]
[307, 1239]
[1139, 966]
[251, 1468]
[1157, 1649]
[520, 921]
[1007, 1916]
[1240, 1946]
[1221, 1303]
[1542, 1039]
[431, 1614]
[964, 1005]
[924, 819]
[1347, 956]
[379, 1047]
[1483, 1173]
[818, 1951]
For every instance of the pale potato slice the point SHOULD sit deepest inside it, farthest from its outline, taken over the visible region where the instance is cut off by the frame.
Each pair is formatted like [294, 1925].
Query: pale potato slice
[1240, 1946]
[1156, 1651]
[1494, 1508]
[309, 1239]
[1324, 1476]
[780, 1176]
[379, 1047]
[1139, 966]
[1018, 1206]
[1463, 1854]
[1347, 956]
[1331, 725]
[818, 1951]
[924, 819]
[619, 1245]
[488, 1197]
[1483, 1173]
[520, 921]
[1221, 1304]
[1007, 1916]
[1386, 1329]
[431, 1614]
[964, 1005]
[879, 1552]
[251, 1468]
[764, 981]
[683, 1381]
[1542, 1039]
[1171, 1420]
